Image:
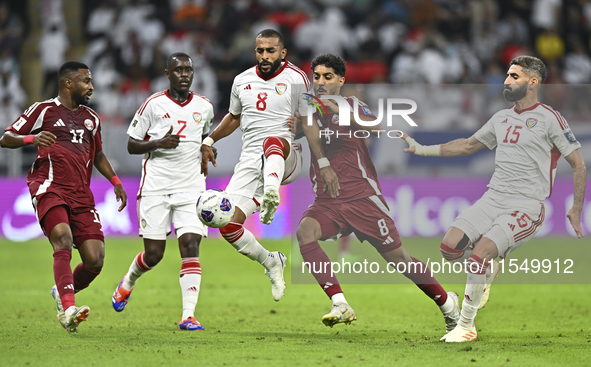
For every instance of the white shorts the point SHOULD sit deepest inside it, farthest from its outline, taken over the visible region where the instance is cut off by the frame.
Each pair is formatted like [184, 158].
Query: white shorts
[246, 187]
[156, 212]
[507, 221]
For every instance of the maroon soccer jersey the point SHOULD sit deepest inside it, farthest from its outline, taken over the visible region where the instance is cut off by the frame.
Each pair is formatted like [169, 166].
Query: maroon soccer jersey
[349, 157]
[65, 167]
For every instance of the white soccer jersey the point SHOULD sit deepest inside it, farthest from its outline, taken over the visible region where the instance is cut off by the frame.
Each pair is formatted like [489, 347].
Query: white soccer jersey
[265, 104]
[529, 145]
[168, 171]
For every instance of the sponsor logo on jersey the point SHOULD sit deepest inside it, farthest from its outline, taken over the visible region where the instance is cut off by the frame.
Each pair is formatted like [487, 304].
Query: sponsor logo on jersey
[19, 123]
[88, 124]
[134, 123]
[59, 123]
[166, 116]
[197, 117]
[504, 121]
[366, 110]
[280, 88]
[570, 137]
[247, 87]
[143, 223]
[531, 122]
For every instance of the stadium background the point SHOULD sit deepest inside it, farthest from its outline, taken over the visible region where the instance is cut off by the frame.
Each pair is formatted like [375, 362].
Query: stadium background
[449, 55]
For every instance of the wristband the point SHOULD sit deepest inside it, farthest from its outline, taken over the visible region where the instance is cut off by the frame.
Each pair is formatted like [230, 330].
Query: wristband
[323, 162]
[29, 139]
[115, 181]
[424, 150]
[208, 141]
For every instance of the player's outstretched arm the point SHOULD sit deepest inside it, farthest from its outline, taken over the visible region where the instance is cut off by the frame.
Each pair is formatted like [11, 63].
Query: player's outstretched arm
[454, 148]
[576, 161]
[102, 164]
[13, 141]
[229, 123]
[169, 141]
[327, 174]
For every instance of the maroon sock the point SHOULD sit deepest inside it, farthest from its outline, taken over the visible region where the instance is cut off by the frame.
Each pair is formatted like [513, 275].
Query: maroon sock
[319, 265]
[422, 277]
[64, 280]
[83, 277]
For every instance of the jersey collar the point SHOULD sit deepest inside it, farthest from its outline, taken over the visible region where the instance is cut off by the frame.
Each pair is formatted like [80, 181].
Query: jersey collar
[519, 112]
[285, 62]
[179, 103]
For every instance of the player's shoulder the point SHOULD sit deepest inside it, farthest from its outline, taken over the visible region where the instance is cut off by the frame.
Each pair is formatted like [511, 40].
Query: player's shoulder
[200, 98]
[246, 76]
[90, 111]
[298, 74]
[154, 98]
[37, 107]
[353, 99]
[553, 116]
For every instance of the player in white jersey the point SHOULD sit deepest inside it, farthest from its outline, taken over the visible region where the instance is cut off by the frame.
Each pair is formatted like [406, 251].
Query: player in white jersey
[168, 129]
[530, 137]
[263, 99]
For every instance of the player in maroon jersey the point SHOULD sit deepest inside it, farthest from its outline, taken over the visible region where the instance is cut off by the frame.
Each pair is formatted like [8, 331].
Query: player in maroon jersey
[336, 211]
[67, 135]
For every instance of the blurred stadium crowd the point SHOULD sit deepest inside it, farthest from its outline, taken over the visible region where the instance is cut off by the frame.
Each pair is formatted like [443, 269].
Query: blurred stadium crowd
[399, 44]
[384, 41]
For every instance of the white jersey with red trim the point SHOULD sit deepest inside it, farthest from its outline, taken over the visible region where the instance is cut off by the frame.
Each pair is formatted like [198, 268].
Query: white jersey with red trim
[168, 171]
[529, 143]
[265, 104]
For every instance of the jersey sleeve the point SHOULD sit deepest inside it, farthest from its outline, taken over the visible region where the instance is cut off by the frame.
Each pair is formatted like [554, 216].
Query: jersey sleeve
[98, 140]
[561, 135]
[235, 104]
[302, 103]
[208, 121]
[141, 123]
[362, 108]
[486, 134]
[29, 121]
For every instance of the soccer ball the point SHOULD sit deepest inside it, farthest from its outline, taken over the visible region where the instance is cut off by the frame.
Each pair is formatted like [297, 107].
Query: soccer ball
[214, 208]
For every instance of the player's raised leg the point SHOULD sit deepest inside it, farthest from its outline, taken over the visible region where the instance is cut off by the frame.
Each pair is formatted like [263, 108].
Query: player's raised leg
[190, 279]
[143, 262]
[245, 243]
[275, 150]
[308, 233]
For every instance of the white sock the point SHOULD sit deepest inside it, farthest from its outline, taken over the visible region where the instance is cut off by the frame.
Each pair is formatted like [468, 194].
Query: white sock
[248, 246]
[448, 306]
[273, 172]
[338, 298]
[137, 268]
[190, 281]
[190, 284]
[473, 294]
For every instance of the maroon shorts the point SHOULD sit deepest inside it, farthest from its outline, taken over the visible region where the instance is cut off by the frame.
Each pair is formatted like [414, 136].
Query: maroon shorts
[84, 222]
[368, 218]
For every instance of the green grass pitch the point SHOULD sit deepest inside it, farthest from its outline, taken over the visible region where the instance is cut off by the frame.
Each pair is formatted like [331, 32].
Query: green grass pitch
[522, 325]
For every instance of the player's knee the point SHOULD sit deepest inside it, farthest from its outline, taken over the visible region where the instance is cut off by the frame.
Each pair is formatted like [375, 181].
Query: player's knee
[449, 253]
[306, 234]
[274, 145]
[153, 257]
[94, 264]
[62, 240]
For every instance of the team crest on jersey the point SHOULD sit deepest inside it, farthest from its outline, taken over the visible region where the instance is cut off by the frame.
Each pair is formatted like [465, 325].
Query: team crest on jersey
[280, 88]
[531, 122]
[89, 125]
[197, 117]
[143, 223]
[335, 119]
[570, 137]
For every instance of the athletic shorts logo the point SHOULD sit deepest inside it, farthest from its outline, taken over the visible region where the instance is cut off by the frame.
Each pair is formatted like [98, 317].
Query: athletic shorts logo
[531, 122]
[88, 123]
[280, 88]
[197, 117]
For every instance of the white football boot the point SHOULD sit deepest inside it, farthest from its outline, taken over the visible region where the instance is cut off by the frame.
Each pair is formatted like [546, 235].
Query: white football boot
[452, 317]
[269, 205]
[74, 316]
[339, 313]
[61, 315]
[275, 274]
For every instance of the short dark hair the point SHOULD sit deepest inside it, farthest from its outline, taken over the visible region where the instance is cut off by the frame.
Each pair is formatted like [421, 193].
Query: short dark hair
[531, 64]
[70, 66]
[335, 62]
[271, 33]
[176, 54]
